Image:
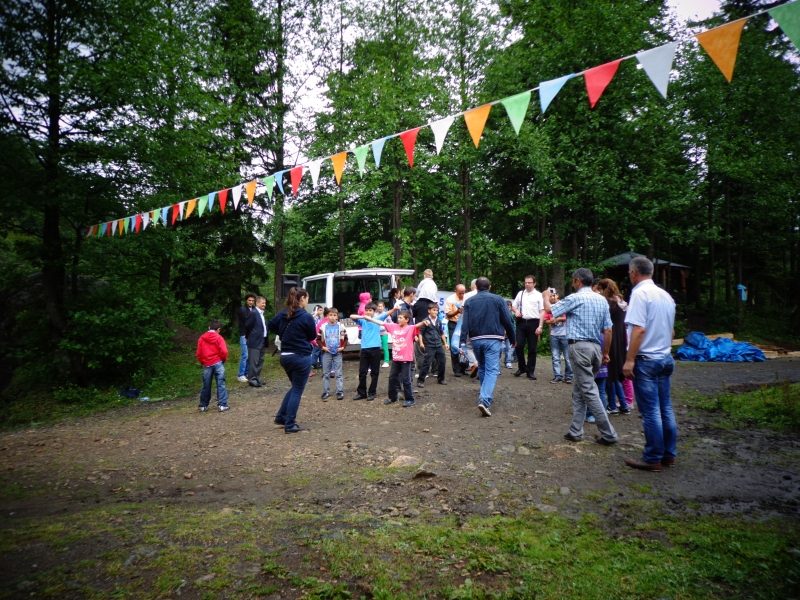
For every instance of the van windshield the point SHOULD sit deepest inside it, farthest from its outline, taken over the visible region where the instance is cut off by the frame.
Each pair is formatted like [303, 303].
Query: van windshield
[346, 291]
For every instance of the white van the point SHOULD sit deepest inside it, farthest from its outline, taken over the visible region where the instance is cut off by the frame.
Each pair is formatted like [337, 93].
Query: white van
[342, 289]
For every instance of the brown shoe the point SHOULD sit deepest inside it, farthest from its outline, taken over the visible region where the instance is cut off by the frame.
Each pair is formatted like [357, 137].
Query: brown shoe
[668, 462]
[642, 465]
[473, 372]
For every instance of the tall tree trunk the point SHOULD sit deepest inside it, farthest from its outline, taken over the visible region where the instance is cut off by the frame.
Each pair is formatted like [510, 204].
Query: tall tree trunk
[739, 272]
[728, 271]
[397, 206]
[464, 173]
[558, 263]
[279, 228]
[458, 256]
[341, 230]
[712, 267]
[413, 239]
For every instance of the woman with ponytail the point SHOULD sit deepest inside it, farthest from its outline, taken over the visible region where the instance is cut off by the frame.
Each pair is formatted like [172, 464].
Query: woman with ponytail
[296, 328]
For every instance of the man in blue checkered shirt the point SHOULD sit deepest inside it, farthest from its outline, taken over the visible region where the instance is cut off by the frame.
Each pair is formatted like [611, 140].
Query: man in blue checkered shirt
[588, 324]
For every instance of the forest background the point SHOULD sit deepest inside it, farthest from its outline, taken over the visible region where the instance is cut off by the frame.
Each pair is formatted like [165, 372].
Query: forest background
[113, 107]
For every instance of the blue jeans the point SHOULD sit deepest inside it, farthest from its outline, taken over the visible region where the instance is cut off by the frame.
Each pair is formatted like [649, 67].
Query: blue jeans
[209, 373]
[613, 391]
[601, 391]
[558, 346]
[651, 386]
[316, 352]
[508, 352]
[243, 360]
[297, 368]
[487, 353]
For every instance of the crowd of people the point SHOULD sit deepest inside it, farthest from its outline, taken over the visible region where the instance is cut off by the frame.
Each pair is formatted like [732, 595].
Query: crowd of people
[611, 351]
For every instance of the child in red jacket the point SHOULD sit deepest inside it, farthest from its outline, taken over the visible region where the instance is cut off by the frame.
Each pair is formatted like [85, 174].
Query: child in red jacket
[212, 354]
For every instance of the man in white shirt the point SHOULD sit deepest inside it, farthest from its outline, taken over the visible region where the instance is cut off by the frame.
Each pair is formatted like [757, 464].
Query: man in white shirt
[528, 308]
[427, 288]
[650, 319]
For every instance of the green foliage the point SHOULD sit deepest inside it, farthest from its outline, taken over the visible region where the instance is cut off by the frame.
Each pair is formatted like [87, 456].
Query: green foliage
[776, 407]
[115, 336]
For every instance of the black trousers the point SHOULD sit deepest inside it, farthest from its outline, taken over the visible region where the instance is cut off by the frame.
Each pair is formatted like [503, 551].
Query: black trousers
[370, 358]
[526, 336]
[255, 362]
[432, 353]
[400, 375]
[454, 358]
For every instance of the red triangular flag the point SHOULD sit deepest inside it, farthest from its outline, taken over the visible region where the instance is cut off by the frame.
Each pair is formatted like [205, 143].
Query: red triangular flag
[297, 175]
[598, 78]
[138, 223]
[409, 141]
[175, 209]
[223, 198]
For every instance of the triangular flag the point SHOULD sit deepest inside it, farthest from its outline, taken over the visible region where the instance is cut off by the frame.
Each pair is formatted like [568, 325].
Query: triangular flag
[145, 220]
[377, 150]
[269, 182]
[110, 228]
[409, 141]
[440, 129]
[361, 158]
[223, 200]
[296, 175]
[121, 226]
[201, 205]
[313, 166]
[237, 195]
[154, 217]
[211, 201]
[788, 17]
[598, 78]
[190, 206]
[88, 231]
[127, 224]
[250, 190]
[338, 161]
[279, 181]
[549, 89]
[722, 44]
[164, 215]
[138, 223]
[182, 207]
[103, 228]
[657, 63]
[516, 107]
[476, 121]
[176, 208]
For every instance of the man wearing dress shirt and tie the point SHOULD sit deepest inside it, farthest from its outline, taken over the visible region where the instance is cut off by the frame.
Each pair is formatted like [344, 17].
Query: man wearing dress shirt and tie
[528, 308]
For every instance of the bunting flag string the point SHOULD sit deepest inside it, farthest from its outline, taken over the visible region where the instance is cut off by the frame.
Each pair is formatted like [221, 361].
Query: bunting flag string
[721, 43]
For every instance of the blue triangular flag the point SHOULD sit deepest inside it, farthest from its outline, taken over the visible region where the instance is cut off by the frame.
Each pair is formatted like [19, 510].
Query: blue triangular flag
[377, 150]
[165, 214]
[279, 181]
[211, 200]
[657, 63]
[103, 229]
[549, 89]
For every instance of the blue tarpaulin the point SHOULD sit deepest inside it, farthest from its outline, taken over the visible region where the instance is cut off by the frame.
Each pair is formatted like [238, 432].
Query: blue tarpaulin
[698, 347]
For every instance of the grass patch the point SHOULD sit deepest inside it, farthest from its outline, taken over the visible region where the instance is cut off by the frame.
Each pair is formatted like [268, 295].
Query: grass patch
[776, 407]
[261, 552]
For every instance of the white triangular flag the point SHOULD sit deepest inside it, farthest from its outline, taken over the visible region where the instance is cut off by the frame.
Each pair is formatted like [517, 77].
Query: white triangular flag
[657, 64]
[313, 166]
[237, 195]
[182, 205]
[440, 129]
[145, 220]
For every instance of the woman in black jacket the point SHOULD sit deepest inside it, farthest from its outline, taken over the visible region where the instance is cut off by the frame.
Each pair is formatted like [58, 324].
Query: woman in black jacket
[296, 329]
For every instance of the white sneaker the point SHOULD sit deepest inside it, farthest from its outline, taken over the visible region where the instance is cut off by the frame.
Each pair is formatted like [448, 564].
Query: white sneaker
[224, 407]
[508, 366]
[416, 375]
[242, 378]
[385, 365]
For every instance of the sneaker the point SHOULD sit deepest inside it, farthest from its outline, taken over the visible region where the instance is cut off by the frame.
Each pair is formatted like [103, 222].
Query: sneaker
[385, 365]
[612, 411]
[242, 378]
[416, 375]
[420, 384]
[556, 380]
[572, 438]
[202, 408]
[340, 395]
[590, 419]
[508, 365]
[568, 380]
[224, 407]
[624, 411]
[389, 401]
[408, 403]
[484, 409]
[326, 395]
[604, 442]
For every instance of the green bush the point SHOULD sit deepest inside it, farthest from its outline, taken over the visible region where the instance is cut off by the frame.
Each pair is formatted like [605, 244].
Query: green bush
[113, 336]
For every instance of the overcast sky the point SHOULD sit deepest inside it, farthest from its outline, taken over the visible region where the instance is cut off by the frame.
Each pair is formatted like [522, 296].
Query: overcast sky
[694, 9]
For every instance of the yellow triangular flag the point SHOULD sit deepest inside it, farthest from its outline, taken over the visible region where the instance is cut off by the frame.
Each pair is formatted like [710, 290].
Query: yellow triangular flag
[476, 121]
[190, 206]
[722, 44]
[250, 190]
[153, 218]
[338, 161]
[120, 225]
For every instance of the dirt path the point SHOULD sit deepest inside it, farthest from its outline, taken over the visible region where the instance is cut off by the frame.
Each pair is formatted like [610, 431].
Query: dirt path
[169, 452]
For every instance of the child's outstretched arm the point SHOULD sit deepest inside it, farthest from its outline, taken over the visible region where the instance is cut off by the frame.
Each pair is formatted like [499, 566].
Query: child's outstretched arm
[366, 318]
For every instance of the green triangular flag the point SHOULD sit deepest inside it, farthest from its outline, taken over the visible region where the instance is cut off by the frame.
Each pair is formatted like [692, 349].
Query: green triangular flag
[270, 183]
[361, 158]
[202, 201]
[517, 107]
[127, 226]
[788, 17]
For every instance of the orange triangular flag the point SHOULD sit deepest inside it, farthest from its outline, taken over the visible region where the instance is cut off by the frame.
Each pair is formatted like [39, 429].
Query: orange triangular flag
[121, 225]
[338, 161]
[476, 121]
[223, 199]
[722, 44]
[409, 141]
[250, 190]
[190, 206]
